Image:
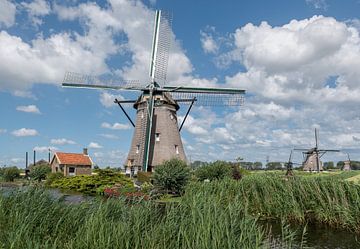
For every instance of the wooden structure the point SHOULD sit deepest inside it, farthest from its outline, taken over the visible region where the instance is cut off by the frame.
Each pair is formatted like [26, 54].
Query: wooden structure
[71, 164]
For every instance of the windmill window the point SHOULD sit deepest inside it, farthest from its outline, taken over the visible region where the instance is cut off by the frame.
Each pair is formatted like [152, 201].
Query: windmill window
[137, 149]
[171, 116]
[142, 114]
[177, 149]
[157, 137]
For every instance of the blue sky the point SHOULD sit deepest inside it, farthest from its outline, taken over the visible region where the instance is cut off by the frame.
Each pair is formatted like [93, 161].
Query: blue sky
[298, 61]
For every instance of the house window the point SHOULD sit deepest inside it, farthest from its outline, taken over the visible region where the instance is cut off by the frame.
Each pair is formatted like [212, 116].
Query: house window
[137, 149]
[177, 149]
[71, 171]
[157, 137]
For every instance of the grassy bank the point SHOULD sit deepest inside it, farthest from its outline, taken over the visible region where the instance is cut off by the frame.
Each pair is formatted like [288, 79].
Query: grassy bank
[327, 200]
[219, 214]
[34, 220]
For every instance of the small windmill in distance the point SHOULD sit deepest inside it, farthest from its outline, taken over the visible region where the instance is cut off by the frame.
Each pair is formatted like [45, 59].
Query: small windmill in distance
[157, 132]
[312, 156]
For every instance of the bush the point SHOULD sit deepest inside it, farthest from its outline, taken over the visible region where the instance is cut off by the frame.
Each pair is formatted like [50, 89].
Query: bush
[10, 173]
[214, 171]
[39, 172]
[95, 184]
[144, 176]
[50, 178]
[172, 176]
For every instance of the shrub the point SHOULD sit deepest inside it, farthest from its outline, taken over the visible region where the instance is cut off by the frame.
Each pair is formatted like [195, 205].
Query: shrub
[172, 176]
[10, 173]
[50, 178]
[214, 171]
[93, 184]
[39, 172]
[144, 176]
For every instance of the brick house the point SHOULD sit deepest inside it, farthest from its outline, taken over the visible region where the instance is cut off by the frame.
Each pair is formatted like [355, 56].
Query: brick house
[71, 164]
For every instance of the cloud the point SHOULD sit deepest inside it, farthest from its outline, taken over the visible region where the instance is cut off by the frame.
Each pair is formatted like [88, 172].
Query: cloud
[7, 13]
[3, 131]
[94, 145]
[62, 141]
[318, 4]
[29, 109]
[24, 132]
[107, 99]
[109, 136]
[208, 43]
[37, 9]
[115, 126]
[43, 149]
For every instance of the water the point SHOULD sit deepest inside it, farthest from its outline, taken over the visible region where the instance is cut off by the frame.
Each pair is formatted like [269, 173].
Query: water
[318, 236]
[70, 197]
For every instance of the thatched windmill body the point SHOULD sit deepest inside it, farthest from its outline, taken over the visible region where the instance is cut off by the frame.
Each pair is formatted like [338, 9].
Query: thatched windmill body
[157, 132]
[312, 156]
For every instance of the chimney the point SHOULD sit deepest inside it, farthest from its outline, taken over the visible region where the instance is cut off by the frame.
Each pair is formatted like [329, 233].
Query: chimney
[85, 152]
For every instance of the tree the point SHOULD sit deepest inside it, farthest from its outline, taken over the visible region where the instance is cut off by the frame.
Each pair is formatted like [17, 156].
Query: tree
[214, 171]
[329, 165]
[340, 164]
[39, 172]
[172, 176]
[10, 173]
[273, 165]
[257, 165]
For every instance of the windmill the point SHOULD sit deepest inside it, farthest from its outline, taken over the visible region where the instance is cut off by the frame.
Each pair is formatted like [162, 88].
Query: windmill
[289, 165]
[347, 164]
[312, 156]
[157, 133]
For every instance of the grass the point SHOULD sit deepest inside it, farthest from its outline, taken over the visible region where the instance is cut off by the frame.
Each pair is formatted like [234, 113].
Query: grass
[33, 219]
[219, 214]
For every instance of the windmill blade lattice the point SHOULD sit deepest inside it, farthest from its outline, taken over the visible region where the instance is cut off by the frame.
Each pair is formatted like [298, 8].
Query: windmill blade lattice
[161, 47]
[78, 80]
[210, 99]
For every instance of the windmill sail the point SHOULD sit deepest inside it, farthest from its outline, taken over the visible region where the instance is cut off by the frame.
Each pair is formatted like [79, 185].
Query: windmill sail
[160, 47]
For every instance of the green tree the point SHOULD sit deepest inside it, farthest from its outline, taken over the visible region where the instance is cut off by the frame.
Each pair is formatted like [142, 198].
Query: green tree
[172, 176]
[214, 171]
[257, 165]
[329, 165]
[273, 165]
[340, 164]
[39, 172]
[10, 173]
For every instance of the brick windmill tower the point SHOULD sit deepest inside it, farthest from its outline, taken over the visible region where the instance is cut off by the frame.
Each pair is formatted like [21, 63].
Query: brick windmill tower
[312, 156]
[157, 131]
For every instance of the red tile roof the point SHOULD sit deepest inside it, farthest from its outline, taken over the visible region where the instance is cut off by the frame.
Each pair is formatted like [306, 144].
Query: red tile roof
[73, 158]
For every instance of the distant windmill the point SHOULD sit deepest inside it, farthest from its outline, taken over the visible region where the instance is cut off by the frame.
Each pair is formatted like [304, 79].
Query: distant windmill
[347, 164]
[157, 133]
[289, 165]
[312, 156]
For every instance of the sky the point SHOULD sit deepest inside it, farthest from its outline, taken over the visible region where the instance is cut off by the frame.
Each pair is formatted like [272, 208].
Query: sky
[297, 60]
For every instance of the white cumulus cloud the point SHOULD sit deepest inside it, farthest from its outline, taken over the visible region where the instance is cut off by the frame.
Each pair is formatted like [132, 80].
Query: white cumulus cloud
[62, 141]
[115, 126]
[45, 148]
[7, 13]
[24, 132]
[107, 99]
[29, 109]
[94, 145]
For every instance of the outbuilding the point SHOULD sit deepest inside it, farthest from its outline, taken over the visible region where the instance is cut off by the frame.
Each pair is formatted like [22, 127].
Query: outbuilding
[71, 164]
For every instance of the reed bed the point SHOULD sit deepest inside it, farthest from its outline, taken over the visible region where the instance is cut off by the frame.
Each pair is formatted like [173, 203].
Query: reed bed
[219, 214]
[322, 200]
[34, 219]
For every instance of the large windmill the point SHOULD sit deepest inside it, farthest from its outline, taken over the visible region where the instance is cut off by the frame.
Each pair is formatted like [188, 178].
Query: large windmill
[312, 156]
[157, 132]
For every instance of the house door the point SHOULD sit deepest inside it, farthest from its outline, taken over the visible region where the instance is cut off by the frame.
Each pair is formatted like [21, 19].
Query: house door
[71, 171]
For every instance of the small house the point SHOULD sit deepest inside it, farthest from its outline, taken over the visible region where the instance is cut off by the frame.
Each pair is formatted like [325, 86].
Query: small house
[71, 164]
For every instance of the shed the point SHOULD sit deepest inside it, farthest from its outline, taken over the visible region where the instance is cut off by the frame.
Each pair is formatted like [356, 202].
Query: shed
[71, 164]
